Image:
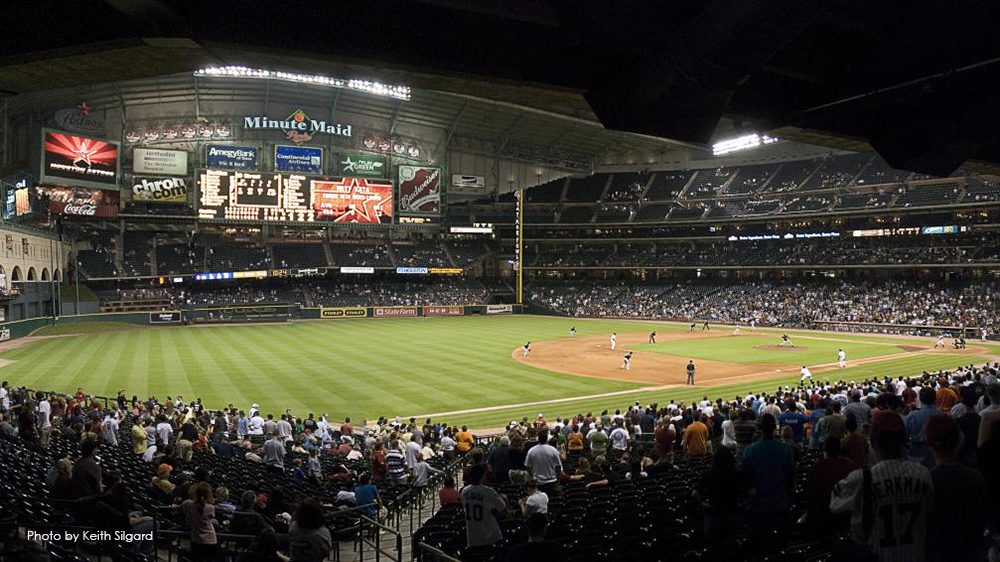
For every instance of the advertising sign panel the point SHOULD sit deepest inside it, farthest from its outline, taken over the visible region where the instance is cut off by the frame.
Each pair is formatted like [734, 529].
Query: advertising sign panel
[232, 157]
[499, 309]
[362, 165]
[394, 311]
[173, 317]
[80, 201]
[159, 162]
[444, 311]
[160, 190]
[419, 190]
[69, 159]
[342, 313]
[306, 159]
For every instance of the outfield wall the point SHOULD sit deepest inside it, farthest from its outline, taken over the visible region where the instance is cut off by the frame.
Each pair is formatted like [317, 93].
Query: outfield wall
[239, 314]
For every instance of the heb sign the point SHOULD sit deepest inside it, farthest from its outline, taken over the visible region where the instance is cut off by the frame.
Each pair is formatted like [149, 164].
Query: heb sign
[499, 309]
[395, 311]
[343, 313]
[444, 311]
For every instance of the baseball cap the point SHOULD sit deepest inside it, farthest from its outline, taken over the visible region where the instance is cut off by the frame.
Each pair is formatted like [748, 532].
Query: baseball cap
[942, 432]
[887, 427]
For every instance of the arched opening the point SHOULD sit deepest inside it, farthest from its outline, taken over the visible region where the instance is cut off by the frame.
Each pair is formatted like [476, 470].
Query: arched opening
[45, 274]
[58, 276]
[15, 275]
[32, 276]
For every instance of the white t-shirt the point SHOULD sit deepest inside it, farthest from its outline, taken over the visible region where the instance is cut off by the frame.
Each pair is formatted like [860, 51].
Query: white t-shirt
[537, 502]
[256, 426]
[412, 450]
[543, 462]
[44, 414]
[619, 439]
[447, 443]
[164, 431]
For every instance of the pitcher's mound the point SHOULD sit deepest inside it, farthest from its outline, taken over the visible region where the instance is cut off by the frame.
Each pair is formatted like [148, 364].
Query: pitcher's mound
[780, 347]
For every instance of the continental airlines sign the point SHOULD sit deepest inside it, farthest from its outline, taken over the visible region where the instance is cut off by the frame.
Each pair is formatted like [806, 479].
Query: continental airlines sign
[298, 127]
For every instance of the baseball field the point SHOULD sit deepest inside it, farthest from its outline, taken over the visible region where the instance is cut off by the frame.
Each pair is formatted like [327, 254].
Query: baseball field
[466, 370]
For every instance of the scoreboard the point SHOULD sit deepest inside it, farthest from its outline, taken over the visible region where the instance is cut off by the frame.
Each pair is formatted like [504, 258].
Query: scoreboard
[289, 197]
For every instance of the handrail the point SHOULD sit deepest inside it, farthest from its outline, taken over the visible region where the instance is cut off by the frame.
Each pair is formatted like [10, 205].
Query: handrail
[439, 554]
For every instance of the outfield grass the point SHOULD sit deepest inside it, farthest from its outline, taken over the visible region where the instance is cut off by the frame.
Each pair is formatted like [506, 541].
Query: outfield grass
[368, 368]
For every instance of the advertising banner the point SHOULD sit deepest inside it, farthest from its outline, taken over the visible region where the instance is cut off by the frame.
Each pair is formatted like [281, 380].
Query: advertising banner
[499, 309]
[362, 165]
[419, 190]
[173, 317]
[352, 200]
[160, 190]
[444, 311]
[306, 159]
[5, 334]
[232, 157]
[76, 160]
[411, 270]
[343, 313]
[159, 162]
[353, 269]
[80, 201]
[394, 311]
[472, 185]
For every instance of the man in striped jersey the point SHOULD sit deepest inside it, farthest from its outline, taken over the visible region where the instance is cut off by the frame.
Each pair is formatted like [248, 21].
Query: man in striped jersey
[888, 503]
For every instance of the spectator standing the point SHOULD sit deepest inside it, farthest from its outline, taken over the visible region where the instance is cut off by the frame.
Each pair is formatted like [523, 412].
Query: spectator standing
[887, 519]
[483, 506]
[769, 467]
[916, 427]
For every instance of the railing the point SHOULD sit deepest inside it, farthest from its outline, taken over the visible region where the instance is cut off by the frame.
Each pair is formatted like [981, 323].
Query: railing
[370, 528]
[434, 554]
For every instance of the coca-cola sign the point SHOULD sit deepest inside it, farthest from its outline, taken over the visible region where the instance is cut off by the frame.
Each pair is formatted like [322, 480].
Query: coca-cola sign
[83, 210]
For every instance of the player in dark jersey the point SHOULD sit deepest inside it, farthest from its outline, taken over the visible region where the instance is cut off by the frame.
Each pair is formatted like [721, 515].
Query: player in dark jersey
[652, 337]
[627, 362]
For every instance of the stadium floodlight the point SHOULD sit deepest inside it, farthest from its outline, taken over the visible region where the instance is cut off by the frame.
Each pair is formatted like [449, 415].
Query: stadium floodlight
[396, 91]
[745, 142]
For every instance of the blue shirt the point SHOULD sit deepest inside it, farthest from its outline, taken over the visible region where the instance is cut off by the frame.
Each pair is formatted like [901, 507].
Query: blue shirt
[796, 421]
[365, 494]
[916, 422]
[769, 466]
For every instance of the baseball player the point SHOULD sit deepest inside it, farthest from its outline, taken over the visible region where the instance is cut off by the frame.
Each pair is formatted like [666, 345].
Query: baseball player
[753, 325]
[939, 342]
[627, 362]
[705, 326]
[614, 340]
[572, 331]
[652, 337]
[736, 330]
[841, 358]
[527, 349]
[691, 329]
[982, 334]
[806, 374]
[785, 340]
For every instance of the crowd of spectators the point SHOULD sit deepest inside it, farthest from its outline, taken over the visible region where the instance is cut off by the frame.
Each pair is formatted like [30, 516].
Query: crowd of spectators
[910, 303]
[440, 292]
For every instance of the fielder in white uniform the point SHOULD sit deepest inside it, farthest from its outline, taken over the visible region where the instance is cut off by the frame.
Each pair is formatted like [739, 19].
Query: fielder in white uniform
[753, 325]
[736, 331]
[939, 342]
[614, 340]
[841, 358]
[806, 374]
[527, 349]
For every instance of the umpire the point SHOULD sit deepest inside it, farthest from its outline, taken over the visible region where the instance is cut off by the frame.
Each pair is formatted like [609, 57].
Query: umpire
[690, 372]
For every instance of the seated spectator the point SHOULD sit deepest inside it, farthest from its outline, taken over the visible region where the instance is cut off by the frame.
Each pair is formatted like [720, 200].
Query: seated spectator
[247, 520]
[308, 538]
[537, 549]
[824, 475]
[366, 494]
[448, 495]
[535, 500]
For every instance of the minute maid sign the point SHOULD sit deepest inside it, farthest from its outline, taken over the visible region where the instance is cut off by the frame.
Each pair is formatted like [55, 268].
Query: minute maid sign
[298, 127]
[362, 165]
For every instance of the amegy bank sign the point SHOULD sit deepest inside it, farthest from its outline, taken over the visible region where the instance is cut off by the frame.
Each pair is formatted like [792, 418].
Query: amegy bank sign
[298, 127]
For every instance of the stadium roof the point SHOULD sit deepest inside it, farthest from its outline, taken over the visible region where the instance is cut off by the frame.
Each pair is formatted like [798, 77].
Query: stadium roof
[916, 83]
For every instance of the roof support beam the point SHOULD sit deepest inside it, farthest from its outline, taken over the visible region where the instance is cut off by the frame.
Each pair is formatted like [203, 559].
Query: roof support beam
[395, 117]
[501, 141]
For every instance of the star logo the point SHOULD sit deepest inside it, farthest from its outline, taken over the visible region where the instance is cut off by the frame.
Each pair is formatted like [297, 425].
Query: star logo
[84, 109]
[353, 200]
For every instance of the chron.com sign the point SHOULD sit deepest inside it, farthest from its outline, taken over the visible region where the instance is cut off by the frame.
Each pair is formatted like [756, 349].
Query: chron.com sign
[165, 190]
